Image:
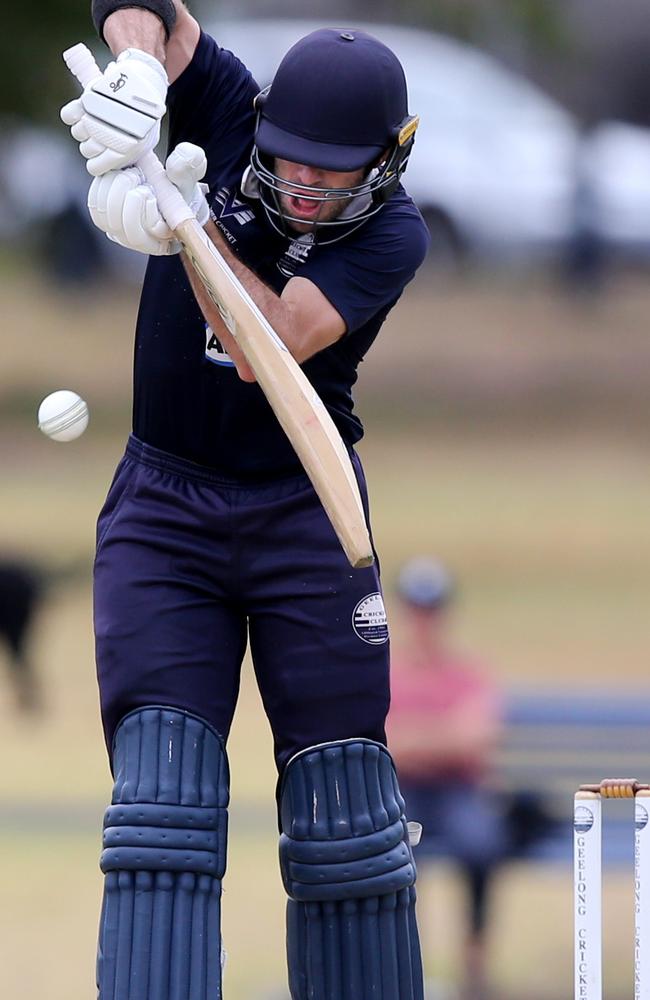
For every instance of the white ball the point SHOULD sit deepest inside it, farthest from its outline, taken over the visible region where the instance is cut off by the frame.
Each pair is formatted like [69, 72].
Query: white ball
[63, 415]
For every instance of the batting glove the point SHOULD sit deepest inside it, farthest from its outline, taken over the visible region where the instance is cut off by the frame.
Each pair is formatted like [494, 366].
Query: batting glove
[186, 166]
[124, 206]
[117, 118]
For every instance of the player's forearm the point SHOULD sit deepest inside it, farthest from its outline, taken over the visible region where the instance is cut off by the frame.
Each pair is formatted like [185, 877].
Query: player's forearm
[135, 28]
[275, 310]
[217, 325]
[139, 28]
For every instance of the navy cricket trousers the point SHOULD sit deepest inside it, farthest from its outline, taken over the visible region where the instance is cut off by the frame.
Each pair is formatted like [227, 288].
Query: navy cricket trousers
[190, 567]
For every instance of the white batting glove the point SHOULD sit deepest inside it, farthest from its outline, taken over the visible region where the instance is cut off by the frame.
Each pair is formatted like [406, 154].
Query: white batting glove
[117, 118]
[186, 166]
[124, 206]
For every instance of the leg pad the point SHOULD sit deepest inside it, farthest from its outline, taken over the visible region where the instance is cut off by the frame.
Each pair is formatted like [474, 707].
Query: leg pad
[164, 857]
[348, 869]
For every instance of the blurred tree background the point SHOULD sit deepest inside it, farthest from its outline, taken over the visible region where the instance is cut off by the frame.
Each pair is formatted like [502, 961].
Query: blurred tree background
[591, 54]
[34, 36]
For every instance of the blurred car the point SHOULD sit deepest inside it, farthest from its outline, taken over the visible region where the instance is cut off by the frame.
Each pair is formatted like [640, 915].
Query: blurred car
[616, 167]
[24, 194]
[43, 190]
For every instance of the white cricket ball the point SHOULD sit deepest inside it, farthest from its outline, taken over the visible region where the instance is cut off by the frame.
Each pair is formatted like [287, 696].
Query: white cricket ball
[63, 415]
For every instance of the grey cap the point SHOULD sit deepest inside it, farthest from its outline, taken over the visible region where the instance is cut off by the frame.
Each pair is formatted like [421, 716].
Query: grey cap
[425, 583]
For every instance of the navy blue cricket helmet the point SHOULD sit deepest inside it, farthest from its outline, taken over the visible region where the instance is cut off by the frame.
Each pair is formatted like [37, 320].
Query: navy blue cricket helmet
[338, 102]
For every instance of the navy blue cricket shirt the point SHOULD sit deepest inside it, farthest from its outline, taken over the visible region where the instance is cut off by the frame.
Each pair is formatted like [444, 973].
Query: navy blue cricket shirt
[188, 398]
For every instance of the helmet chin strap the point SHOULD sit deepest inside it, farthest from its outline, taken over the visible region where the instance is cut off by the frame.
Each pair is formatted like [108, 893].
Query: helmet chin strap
[359, 205]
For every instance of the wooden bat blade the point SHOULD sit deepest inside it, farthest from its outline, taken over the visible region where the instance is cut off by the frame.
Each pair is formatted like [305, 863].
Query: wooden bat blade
[296, 404]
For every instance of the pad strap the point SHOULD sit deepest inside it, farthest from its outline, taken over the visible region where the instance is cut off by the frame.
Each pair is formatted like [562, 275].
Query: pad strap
[164, 9]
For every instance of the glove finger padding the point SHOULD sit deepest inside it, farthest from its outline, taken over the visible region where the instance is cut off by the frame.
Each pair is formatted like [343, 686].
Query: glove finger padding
[108, 159]
[71, 113]
[120, 243]
[79, 130]
[185, 166]
[102, 163]
[97, 201]
[153, 221]
[124, 182]
[90, 148]
[106, 197]
[141, 220]
[124, 207]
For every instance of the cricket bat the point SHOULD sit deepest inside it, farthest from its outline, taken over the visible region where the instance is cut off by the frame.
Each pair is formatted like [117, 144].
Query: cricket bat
[295, 402]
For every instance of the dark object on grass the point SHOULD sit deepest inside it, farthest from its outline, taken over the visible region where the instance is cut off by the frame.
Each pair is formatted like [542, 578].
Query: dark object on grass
[21, 591]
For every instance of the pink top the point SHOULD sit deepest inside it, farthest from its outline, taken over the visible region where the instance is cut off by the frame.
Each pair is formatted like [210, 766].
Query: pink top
[450, 697]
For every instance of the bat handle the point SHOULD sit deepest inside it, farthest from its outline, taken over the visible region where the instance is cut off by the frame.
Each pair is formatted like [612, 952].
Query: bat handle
[171, 203]
[79, 60]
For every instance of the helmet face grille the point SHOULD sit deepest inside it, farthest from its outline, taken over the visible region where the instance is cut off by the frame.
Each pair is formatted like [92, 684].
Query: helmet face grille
[357, 202]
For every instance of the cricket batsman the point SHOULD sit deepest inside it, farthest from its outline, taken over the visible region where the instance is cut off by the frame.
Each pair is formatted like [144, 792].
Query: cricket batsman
[212, 536]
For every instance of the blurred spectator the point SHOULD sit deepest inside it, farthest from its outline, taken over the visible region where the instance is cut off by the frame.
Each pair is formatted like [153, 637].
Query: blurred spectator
[444, 723]
[585, 261]
[71, 252]
[21, 589]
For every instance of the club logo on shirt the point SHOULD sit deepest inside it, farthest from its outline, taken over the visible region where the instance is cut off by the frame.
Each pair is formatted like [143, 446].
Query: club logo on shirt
[369, 620]
[214, 351]
[232, 207]
[296, 253]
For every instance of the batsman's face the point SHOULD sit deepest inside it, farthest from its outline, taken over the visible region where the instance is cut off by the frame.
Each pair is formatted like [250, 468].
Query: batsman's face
[304, 208]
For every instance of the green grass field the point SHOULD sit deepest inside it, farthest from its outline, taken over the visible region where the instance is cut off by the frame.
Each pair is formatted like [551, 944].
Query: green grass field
[506, 432]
